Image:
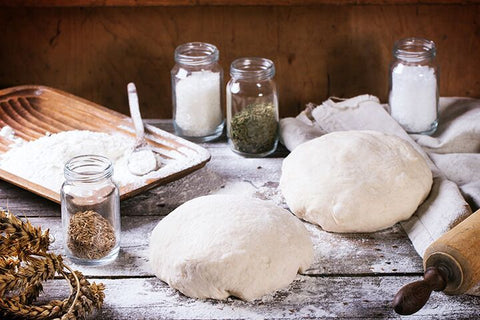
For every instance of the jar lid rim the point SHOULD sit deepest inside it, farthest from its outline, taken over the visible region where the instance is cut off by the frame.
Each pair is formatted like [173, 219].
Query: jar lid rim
[414, 49]
[196, 53]
[252, 67]
[99, 168]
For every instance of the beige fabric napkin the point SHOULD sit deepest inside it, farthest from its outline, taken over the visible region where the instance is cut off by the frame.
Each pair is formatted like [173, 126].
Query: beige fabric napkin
[454, 170]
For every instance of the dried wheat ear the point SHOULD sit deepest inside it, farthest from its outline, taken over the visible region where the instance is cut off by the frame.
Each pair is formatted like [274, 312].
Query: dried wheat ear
[25, 264]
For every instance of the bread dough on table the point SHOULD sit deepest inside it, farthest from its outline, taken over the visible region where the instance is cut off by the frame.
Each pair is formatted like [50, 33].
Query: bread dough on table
[224, 245]
[355, 181]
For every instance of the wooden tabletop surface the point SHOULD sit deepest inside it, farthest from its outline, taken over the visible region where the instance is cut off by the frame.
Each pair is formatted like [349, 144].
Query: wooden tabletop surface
[353, 275]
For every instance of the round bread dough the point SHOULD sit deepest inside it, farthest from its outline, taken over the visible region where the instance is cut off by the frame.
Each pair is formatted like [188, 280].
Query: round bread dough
[355, 181]
[223, 245]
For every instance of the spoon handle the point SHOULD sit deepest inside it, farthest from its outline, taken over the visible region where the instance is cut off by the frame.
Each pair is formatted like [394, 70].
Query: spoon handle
[135, 110]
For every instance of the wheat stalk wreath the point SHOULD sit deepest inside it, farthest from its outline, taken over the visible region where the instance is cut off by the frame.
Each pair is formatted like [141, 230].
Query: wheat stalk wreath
[25, 264]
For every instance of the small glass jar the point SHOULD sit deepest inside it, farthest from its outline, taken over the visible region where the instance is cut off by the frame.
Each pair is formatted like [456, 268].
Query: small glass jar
[252, 107]
[413, 96]
[90, 211]
[197, 81]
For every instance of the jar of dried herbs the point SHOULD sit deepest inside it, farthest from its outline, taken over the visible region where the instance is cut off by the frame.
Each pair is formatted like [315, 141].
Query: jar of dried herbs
[252, 107]
[90, 211]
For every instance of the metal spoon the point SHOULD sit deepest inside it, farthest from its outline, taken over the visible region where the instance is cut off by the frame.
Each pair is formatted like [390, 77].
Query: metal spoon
[142, 160]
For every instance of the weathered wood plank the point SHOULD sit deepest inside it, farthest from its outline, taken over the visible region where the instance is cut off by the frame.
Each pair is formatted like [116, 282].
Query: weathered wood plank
[384, 252]
[387, 251]
[25, 203]
[136, 3]
[307, 297]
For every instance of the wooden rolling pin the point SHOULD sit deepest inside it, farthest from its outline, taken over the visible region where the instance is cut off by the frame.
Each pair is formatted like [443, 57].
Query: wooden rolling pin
[451, 264]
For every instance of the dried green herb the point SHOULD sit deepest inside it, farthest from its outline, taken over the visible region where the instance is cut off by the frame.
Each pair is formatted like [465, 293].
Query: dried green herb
[90, 236]
[25, 264]
[254, 130]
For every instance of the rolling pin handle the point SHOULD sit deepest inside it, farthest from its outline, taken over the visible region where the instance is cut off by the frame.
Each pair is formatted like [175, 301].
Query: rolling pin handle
[413, 296]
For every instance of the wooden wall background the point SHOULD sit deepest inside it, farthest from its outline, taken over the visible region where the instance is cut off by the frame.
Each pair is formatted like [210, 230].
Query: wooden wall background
[321, 48]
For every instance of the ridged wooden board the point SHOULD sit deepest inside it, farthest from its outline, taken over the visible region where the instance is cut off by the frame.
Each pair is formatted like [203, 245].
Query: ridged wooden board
[33, 111]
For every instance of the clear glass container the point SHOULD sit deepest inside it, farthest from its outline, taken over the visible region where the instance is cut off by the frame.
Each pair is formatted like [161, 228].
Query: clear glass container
[252, 107]
[90, 211]
[413, 89]
[197, 81]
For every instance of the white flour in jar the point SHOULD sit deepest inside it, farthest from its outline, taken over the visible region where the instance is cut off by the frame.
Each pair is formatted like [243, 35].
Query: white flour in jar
[42, 161]
[413, 97]
[198, 107]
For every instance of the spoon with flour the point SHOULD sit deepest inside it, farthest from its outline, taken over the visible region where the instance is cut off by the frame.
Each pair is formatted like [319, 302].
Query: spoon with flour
[142, 160]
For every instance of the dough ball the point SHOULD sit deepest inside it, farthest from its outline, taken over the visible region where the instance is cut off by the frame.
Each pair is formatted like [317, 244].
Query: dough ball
[355, 181]
[223, 245]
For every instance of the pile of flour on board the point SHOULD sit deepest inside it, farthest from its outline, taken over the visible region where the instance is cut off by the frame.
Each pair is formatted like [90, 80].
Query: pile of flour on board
[42, 161]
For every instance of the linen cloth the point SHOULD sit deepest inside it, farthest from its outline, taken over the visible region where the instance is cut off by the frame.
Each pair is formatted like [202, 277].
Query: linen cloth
[452, 154]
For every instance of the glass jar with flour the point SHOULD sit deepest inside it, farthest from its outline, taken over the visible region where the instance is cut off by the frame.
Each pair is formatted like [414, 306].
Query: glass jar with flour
[197, 81]
[252, 107]
[90, 211]
[413, 96]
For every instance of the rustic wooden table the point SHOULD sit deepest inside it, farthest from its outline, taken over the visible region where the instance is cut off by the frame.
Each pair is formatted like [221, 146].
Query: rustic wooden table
[353, 275]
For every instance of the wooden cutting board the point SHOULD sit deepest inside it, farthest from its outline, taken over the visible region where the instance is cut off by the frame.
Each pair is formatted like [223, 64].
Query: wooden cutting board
[33, 111]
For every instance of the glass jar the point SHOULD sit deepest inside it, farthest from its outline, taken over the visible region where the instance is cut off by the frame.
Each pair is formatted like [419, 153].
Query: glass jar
[90, 211]
[197, 81]
[252, 107]
[413, 96]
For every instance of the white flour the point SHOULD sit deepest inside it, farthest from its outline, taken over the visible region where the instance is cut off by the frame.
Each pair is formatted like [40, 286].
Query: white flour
[8, 133]
[413, 99]
[198, 108]
[42, 161]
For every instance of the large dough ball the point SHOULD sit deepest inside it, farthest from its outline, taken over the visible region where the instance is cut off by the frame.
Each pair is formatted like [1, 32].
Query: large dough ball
[355, 181]
[222, 245]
